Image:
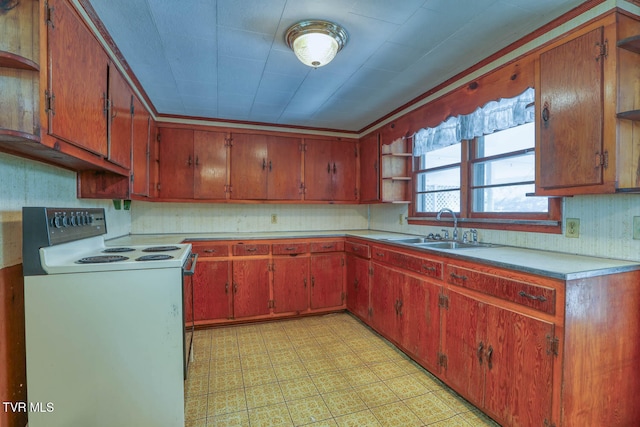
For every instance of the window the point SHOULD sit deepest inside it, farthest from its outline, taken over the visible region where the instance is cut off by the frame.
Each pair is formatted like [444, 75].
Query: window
[482, 166]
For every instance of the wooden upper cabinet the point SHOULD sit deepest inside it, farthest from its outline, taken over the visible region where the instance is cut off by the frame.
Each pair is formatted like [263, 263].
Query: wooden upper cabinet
[77, 87]
[120, 119]
[370, 168]
[176, 163]
[140, 150]
[330, 170]
[570, 109]
[265, 167]
[210, 165]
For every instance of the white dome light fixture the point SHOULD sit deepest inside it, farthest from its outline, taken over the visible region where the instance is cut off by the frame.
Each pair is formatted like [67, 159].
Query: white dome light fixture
[316, 42]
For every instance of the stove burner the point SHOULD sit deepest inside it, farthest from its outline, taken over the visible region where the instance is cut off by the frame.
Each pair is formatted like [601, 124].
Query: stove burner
[161, 249]
[116, 250]
[154, 257]
[101, 259]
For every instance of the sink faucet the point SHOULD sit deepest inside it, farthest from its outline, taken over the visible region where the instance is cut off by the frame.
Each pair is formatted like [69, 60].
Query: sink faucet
[455, 221]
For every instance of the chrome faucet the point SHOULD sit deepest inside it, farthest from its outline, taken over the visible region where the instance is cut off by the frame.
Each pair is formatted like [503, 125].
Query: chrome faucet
[455, 221]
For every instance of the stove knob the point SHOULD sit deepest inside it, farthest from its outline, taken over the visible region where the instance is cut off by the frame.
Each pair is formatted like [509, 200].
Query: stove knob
[82, 220]
[65, 221]
[72, 220]
[57, 221]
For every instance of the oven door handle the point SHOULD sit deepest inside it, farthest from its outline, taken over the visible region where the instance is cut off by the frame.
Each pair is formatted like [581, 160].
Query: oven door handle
[192, 269]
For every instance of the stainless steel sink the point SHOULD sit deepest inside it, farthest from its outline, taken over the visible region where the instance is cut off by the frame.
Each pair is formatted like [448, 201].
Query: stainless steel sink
[407, 240]
[452, 245]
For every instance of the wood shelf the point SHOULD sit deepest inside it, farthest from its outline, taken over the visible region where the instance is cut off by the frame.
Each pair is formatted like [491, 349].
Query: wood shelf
[397, 178]
[397, 154]
[629, 115]
[631, 44]
[10, 60]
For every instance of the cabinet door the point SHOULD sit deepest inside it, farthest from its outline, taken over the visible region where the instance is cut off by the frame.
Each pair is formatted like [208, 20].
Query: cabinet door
[358, 286]
[370, 168]
[519, 371]
[465, 344]
[140, 149]
[120, 119]
[571, 113]
[343, 171]
[318, 170]
[77, 81]
[211, 290]
[249, 167]
[419, 317]
[290, 284]
[327, 280]
[383, 302]
[250, 287]
[210, 165]
[284, 168]
[176, 163]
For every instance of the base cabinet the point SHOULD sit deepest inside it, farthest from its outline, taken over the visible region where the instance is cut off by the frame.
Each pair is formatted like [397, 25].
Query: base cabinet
[327, 280]
[211, 290]
[358, 286]
[290, 284]
[250, 288]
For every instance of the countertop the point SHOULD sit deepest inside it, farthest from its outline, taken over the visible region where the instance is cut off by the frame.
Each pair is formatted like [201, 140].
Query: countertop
[557, 265]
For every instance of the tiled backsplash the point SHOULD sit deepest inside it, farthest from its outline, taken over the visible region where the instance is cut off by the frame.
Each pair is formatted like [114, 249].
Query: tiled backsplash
[150, 218]
[29, 183]
[605, 227]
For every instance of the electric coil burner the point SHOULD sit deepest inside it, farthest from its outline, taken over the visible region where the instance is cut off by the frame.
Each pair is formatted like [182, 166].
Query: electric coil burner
[161, 249]
[117, 250]
[101, 259]
[154, 257]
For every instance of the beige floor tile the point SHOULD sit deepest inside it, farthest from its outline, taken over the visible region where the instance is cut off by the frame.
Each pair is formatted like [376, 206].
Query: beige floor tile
[455, 421]
[360, 375]
[197, 385]
[324, 423]
[225, 381]
[226, 402]
[298, 388]
[196, 407]
[259, 376]
[319, 365]
[223, 351]
[429, 408]
[310, 352]
[253, 361]
[201, 422]
[283, 357]
[429, 381]
[290, 371]
[308, 410]
[346, 360]
[263, 395]
[270, 416]
[387, 370]
[396, 415]
[251, 348]
[373, 356]
[199, 368]
[274, 346]
[406, 387]
[454, 400]
[224, 364]
[236, 419]
[331, 381]
[358, 419]
[477, 419]
[343, 402]
[376, 394]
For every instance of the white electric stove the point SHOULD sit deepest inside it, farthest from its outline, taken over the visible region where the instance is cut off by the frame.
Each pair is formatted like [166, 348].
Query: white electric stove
[105, 327]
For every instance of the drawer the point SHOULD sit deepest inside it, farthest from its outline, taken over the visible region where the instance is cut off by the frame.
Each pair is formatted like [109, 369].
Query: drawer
[358, 249]
[329, 246]
[290, 248]
[532, 295]
[210, 249]
[240, 249]
[419, 264]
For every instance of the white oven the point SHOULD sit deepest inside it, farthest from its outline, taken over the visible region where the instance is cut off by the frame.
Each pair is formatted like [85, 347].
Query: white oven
[105, 331]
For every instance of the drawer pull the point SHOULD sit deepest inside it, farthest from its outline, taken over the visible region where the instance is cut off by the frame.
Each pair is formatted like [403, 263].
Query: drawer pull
[327, 246]
[353, 248]
[428, 268]
[251, 249]
[380, 254]
[290, 248]
[458, 276]
[533, 297]
[209, 251]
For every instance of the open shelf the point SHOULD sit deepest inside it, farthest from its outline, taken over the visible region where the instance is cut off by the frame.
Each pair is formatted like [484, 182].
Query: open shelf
[629, 115]
[631, 44]
[10, 60]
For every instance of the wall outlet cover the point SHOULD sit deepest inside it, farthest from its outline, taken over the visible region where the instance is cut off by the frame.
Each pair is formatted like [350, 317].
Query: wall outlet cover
[572, 228]
[274, 219]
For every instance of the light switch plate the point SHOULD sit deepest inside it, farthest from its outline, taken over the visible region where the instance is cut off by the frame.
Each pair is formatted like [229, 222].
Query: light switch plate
[636, 228]
[572, 228]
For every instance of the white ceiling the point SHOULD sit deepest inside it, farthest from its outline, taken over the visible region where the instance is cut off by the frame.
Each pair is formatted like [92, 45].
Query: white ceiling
[227, 59]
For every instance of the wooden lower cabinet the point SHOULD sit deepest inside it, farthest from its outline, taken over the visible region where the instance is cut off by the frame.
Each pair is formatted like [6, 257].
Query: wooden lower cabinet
[211, 290]
[327, 280]
[290, 284]
[358, 286]
[250, 288]
[500, 360]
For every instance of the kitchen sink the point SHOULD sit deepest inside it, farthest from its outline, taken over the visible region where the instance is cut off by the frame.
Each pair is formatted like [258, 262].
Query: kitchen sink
[407, 240]
[452, 245]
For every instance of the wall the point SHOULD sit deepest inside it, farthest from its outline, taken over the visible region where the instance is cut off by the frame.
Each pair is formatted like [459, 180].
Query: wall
[150, 218]
[605, 227]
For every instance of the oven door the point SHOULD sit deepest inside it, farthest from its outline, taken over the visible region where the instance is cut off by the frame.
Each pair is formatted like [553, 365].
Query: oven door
[188, 270]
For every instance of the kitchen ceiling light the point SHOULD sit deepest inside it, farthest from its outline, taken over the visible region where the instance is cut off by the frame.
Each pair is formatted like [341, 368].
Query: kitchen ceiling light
[316, 42]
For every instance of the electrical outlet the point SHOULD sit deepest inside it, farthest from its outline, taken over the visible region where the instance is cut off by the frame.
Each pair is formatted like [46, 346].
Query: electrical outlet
[274, 219]
[572, 228]
[401, 219]
[636, 228]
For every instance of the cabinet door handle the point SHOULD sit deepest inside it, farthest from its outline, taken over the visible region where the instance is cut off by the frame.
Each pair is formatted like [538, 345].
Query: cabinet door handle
[399, 308]
[264, 164]
[269, 165]
[329, 167]
[235, 288]
[458, 276]
[189, 161]
[355, 283]
[335, 170]
[197, 161]
[545, 113]
[226, 288]
[489, 356]
[313, 281]
[305, 282]
[533, 297]
[479, 352]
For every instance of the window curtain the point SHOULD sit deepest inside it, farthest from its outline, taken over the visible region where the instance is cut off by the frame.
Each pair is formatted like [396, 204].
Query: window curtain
[494, 116]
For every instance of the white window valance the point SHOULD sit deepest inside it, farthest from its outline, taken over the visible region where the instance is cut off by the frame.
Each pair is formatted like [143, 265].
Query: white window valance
[494, 116]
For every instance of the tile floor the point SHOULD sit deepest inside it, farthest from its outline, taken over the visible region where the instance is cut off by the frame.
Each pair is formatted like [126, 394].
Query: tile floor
[316, 371]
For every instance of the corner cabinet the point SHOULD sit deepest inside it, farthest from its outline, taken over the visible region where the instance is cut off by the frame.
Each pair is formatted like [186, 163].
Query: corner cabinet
[587, 92]
[396, 171]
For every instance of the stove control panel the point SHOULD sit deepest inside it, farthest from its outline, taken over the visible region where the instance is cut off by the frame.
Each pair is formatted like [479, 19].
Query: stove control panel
[62, 225]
